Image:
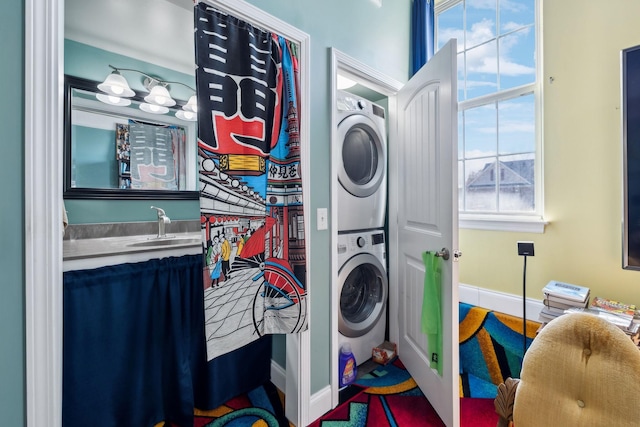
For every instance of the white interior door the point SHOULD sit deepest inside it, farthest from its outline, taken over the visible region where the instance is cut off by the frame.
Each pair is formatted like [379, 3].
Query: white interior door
[424, 197]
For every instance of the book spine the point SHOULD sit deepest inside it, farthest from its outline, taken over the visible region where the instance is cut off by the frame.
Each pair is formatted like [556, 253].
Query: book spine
[613, 306]
[619, 320]
[567, 291]
[554, 298]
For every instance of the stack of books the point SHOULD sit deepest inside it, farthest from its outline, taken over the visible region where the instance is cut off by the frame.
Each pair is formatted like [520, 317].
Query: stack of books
[560, 297]
[618, 313]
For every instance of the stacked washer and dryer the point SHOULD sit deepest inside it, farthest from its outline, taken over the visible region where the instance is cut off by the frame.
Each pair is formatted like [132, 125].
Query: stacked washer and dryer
[362, 203]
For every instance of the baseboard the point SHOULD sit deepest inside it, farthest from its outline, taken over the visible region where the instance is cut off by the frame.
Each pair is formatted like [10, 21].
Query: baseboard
[499, 301]
[278, 376]
[320, 402]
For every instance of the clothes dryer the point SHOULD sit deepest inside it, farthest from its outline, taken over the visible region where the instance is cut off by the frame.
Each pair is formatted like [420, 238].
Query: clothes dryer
[363, 288]
[362, 169]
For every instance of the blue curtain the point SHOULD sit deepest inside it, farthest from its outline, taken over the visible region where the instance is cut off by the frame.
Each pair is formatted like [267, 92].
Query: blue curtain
[134, 350]
[422, 33]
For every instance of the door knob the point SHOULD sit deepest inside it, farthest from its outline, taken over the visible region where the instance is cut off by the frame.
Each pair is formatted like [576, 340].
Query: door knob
[443, 253]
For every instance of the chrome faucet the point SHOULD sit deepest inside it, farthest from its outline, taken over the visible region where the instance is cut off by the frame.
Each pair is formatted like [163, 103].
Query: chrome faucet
[162, 220]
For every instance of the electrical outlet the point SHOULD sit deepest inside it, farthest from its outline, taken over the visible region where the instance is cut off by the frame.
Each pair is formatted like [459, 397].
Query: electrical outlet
[321, 219]
[525, 249]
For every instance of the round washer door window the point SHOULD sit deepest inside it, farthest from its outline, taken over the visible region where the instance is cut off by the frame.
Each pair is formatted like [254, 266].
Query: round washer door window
[363, 156]
[363, 295]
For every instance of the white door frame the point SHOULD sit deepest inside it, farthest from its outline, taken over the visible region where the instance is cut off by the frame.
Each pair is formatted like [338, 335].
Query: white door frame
[44, 74]
[363, 74]
[43, 142]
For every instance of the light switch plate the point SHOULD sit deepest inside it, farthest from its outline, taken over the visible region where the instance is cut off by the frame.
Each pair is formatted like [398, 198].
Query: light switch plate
[322, 220]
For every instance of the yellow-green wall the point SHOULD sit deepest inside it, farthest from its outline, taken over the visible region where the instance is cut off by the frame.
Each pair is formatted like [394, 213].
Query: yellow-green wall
[582, 162]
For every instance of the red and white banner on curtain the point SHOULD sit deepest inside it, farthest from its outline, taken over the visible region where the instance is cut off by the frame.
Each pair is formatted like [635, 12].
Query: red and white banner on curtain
[250, 182]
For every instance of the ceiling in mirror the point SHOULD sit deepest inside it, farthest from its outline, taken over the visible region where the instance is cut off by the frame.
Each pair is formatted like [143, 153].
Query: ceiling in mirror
[136, 28]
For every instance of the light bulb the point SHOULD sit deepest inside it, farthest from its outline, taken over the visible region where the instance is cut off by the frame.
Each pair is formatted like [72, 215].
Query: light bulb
[192, 105]
[115, 84]
[159, 95]
[113, 100]
[186, 115]
[154, 109]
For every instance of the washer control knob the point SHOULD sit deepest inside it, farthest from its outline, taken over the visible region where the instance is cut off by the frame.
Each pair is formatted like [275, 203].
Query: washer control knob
[361, 104]
[361, 242]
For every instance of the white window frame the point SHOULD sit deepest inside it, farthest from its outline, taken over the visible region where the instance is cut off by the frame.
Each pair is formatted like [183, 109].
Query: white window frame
[518, 222]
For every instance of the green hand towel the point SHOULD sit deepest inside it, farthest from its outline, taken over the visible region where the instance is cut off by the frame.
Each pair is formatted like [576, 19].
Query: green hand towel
[431, 319]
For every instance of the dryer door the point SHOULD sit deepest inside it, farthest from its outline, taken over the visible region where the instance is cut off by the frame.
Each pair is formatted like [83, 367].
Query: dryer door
[362, 169]
[363, 294]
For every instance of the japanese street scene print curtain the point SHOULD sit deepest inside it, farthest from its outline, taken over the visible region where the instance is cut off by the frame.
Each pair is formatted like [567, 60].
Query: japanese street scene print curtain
[250, 182]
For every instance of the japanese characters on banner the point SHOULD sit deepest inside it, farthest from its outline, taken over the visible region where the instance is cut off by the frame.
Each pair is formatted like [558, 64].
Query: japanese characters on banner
[251, 198]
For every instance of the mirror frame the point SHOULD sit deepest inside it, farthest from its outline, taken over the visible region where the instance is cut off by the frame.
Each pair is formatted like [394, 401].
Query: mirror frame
[630, 71]
[69, 192]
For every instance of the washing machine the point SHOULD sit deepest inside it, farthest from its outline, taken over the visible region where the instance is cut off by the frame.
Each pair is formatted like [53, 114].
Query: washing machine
[363, 287]
[362, 169]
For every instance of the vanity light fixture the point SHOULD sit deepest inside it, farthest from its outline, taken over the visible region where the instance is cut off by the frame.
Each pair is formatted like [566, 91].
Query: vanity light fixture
[113, 100]
[187, 115]
[153, 108]
[189, 111]
[191, 105]
[116, 85]
[116, 89]
[158, 93]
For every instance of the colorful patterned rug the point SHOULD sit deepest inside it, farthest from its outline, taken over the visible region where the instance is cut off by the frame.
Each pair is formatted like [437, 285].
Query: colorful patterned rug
[390, 397]
[491, 347]
[261, 407]
[490, 351]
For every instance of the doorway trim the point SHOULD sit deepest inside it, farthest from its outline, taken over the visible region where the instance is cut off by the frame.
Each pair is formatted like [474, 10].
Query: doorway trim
[43, 37]
[367, 76]
[44, 71]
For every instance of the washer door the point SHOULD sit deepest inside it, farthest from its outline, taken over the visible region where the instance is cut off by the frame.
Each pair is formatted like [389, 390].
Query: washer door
[362, 168]
[363, 289]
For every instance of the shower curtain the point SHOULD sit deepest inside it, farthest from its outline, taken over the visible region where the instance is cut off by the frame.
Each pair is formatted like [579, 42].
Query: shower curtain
[250, 182]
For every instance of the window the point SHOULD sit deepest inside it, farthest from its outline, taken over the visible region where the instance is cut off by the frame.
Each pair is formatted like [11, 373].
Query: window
[498, 144]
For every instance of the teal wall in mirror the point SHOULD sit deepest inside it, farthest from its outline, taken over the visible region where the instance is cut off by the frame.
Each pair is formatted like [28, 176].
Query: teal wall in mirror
[95, 165]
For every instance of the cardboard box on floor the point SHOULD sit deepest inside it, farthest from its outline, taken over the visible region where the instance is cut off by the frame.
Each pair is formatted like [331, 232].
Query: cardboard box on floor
[384, 353]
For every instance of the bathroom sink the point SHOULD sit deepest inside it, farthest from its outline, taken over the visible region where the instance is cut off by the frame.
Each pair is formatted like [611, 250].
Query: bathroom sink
[140, 244]
[160, 242]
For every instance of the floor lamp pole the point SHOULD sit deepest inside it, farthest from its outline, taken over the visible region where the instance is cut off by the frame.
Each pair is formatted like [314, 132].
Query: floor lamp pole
[525, 249]
[524, 307]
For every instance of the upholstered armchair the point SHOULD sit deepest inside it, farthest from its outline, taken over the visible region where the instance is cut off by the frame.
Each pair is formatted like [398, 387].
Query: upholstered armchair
[579, 371]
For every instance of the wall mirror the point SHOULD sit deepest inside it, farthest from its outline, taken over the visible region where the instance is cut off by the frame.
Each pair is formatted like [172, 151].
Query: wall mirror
[123, 152]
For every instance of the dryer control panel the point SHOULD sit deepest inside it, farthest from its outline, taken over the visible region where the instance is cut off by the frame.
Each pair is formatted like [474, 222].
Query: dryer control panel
[353, 243]
[349, 102]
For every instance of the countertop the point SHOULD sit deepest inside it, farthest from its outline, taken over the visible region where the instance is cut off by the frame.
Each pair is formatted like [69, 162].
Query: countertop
[81, 254]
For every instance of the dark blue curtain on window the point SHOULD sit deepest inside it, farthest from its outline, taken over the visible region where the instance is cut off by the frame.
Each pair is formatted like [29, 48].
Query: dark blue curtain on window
[134, 349]
[422, 33]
